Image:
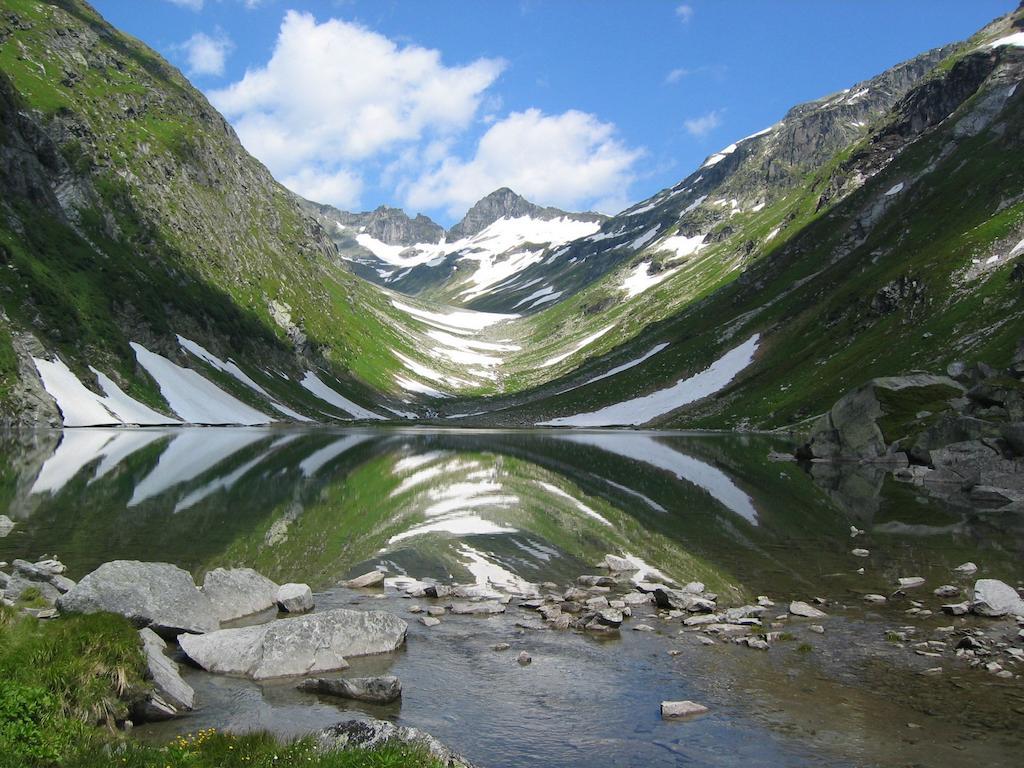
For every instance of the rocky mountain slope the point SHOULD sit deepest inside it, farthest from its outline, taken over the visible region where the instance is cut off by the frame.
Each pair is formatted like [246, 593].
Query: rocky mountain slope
[417, 257]
[900, 251]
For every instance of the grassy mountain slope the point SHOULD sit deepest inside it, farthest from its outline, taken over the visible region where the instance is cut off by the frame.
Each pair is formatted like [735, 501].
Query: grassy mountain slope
[843, 280]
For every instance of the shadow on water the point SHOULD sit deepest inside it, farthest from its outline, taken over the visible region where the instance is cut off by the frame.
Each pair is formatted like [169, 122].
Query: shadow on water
[507, 511]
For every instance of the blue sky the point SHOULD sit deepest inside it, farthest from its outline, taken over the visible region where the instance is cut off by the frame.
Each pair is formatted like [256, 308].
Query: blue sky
[575, 103]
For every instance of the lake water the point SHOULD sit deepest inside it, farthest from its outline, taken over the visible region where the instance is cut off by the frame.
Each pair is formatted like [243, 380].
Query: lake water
[510, 510]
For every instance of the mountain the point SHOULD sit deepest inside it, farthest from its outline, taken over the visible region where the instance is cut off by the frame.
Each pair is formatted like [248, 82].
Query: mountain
[154, 272]
[505, 204]
[481, 255]
[876, 249]
[143, 247]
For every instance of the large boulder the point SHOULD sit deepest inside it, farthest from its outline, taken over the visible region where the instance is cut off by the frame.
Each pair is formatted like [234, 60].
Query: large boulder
[866, 421]
[996, 598]
[370, 734]
[171, 696]
[238, 592]
[320, 642]
[376, 690]
[156, 595]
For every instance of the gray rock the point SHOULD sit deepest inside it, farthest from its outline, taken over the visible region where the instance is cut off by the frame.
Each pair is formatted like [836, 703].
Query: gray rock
[18, 584]
[596, 581]
[524, 658]
[957, 609]
[677, 710]
[294, 598]
[859, 552]
[483, 606]
[996, 598]
[6, 525]
[376, 690]
[1013, 434]
[609, 617]
[239, 592]
[911, 582]
[800, 608]
[850, 429]
[319, 642]
[643, 628]
[946, 590]
[371, 579]
[171, 696]
[876, 599]
[429, 621]
[156, 595]
[966, 568]
[369, 734]
[617, 564]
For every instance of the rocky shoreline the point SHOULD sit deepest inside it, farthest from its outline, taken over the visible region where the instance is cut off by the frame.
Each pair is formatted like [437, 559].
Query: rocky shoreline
[960, 436]
[179, 621]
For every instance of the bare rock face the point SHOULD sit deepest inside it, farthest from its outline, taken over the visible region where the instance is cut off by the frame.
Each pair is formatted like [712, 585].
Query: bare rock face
[376, 690]
[319, 642]
[368, 734]
[853, 429]
[171, 696]
[156, 595]
[238, 592]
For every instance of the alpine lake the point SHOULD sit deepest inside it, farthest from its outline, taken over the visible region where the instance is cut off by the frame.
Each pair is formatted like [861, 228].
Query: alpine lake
[523, 512]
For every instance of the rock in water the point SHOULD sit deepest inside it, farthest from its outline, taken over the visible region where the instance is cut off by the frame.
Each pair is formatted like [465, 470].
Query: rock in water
[369, 734]
[484, 606]
[171, 695]
[376, 690]
[911, 582]
[239, 592]
[371, 579]
[676, 710]
[319, 642]
[967, 568]
[996, 598]
[6, 525]
[618, 564]
[295, 598]
[800, 608]
[156, 595]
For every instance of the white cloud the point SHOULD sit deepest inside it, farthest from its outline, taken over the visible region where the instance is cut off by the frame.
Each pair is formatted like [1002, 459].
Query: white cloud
[677, 74]
[341, 188]
[195, 5]
[684, 12]
[703, 125]
[571, 160]
[336, 93]
[205, 54]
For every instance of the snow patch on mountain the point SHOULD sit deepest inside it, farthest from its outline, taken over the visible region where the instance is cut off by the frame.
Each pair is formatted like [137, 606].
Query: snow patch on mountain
[312, 383]
[640, 410]
[81, 407]
[640, 278]
[577, 347]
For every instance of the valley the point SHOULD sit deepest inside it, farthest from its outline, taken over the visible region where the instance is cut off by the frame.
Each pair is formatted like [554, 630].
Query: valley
[732, 474]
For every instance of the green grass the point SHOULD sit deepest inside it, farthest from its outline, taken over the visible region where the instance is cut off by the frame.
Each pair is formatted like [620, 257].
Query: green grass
[65, 683]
